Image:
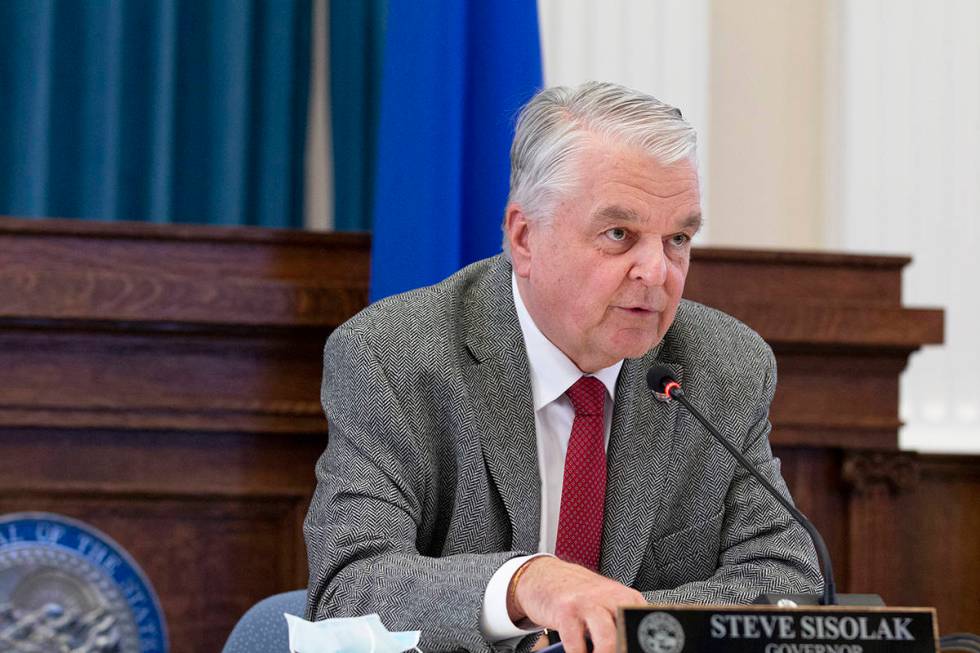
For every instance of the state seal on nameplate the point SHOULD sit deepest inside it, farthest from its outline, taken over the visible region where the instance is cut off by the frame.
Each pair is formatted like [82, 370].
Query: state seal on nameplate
[67, 587]
[660, 632]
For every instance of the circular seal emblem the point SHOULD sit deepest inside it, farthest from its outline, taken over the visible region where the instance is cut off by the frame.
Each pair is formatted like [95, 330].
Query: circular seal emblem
[67, 587]
[660, 632]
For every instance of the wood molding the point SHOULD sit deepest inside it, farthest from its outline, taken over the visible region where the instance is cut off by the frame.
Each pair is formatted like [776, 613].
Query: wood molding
[866, 472]
[134, 273]
[913, 522]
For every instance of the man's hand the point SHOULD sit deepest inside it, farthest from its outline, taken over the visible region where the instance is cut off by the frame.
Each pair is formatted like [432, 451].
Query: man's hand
[572, 600]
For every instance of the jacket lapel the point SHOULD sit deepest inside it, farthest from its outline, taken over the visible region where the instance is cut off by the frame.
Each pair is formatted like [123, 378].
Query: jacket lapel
[500, 387]
[640, 449]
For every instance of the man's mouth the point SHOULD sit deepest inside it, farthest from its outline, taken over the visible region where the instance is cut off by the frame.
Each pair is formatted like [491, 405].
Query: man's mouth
[638, 310]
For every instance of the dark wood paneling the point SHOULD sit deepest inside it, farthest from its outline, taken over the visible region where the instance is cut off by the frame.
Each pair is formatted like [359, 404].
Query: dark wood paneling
[158, 462]
[914, 525]
[814, 301]
[721, 275]
[63, 269]
[215, 519]
[162, 384]
[842, 399]
[208, 557]
[177, 378]
[813, 476]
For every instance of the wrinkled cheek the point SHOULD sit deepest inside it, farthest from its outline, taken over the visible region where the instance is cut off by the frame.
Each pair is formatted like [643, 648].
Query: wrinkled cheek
[675, 280]
[665, 321]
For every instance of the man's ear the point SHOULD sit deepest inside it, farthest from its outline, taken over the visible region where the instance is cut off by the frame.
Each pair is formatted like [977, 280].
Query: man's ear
[517, 226]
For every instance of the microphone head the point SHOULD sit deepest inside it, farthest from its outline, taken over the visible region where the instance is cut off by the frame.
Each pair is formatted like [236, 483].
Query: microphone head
[658, 376]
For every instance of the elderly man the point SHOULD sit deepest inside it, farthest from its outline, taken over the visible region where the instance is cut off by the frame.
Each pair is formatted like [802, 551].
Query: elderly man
[482, 424]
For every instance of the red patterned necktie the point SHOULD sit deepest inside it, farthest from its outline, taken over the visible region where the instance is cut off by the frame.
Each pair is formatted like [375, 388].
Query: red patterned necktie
[583, 489]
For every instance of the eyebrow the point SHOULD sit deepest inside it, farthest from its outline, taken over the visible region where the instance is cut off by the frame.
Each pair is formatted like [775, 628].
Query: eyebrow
[693, 221]
[618, 214]
[615, 214]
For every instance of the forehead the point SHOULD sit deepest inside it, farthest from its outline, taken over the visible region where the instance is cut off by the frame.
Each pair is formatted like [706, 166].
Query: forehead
[607, 163]
[618, 183]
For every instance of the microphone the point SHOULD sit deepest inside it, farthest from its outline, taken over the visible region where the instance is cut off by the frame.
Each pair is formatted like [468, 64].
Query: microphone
[664, 387]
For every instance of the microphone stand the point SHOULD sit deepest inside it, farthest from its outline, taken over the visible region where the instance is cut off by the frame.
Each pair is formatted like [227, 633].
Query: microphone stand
[665, 387]
[829, 587]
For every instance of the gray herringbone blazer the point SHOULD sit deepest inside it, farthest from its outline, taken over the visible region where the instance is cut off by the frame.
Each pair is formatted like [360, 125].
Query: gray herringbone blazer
[430, 481]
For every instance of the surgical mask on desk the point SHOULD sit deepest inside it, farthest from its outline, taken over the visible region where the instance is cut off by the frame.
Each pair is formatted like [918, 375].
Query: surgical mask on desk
[347, 635]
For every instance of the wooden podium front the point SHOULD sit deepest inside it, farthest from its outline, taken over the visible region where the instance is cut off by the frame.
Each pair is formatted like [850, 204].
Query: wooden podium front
[162, 384]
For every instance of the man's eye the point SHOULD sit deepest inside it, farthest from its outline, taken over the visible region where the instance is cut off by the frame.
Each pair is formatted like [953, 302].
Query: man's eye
[616, 234]
[679, 240]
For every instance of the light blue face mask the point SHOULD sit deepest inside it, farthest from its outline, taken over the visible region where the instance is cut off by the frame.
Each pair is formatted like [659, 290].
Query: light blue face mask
[347, 635]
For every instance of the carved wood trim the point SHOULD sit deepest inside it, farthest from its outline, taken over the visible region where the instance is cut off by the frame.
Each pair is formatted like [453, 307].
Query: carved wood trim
[864, 472]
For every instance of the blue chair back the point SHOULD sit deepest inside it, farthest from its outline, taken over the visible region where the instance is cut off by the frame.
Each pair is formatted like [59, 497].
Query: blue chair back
[263, 628]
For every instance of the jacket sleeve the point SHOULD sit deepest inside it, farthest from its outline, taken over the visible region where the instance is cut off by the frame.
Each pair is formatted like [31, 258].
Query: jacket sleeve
[374, 489]
[762, 549]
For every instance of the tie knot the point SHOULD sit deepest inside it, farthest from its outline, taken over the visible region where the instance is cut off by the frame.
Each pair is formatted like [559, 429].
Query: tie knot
[588, 396]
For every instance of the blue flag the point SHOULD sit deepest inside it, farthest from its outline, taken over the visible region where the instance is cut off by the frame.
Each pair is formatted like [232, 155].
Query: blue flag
[455, 75]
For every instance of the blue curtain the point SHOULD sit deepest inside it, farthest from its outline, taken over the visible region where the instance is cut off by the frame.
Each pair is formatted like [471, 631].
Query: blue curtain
[156, 110]
[357, 29]
[454, 76]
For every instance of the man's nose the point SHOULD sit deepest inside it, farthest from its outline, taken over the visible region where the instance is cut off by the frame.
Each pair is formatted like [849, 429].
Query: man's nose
[650, 266]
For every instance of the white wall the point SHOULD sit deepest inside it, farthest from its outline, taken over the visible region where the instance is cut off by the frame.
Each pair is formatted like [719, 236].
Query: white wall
[767, 77]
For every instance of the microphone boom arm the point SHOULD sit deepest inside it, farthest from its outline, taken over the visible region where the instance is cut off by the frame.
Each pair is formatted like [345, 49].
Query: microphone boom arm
[674, 390]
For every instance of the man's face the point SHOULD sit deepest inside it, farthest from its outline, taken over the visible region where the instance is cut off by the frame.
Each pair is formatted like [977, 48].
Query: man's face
[604, 276]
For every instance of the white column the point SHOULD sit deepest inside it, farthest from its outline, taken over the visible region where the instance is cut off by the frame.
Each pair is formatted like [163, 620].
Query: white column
[318, 166]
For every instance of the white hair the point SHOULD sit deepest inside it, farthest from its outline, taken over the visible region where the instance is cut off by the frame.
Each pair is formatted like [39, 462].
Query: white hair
[558, 123]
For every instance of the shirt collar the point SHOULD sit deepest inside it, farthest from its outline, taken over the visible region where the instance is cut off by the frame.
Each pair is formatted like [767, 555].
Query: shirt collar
[552, 372]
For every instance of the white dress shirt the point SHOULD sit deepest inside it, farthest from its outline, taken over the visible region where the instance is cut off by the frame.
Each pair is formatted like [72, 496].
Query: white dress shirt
[552, 373]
